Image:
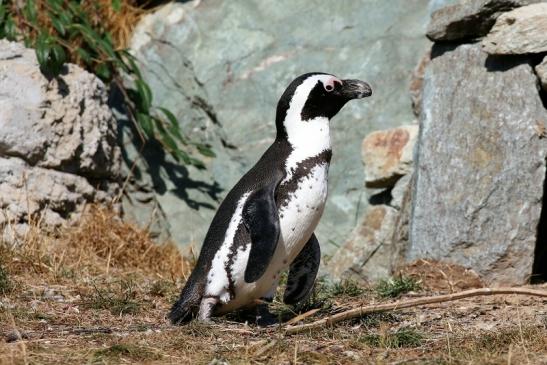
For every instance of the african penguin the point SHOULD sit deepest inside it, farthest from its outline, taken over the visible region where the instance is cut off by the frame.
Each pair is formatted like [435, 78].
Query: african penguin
[265, 224]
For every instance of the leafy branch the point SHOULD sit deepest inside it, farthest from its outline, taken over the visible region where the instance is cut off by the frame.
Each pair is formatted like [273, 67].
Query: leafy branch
[76, 31]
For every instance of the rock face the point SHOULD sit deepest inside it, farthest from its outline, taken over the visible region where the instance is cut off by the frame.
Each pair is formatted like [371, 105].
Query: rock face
[519, 31]
[468, 19]
[58, 147]
[480, 165]
[416, 84]
[387, 155]
[221, 68]
[541, 71]
[377, 244]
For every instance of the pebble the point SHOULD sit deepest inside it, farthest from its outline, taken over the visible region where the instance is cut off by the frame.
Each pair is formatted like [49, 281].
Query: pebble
[16, 335]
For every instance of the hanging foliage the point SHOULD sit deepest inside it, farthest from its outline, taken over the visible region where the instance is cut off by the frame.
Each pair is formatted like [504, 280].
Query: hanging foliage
[93, 34]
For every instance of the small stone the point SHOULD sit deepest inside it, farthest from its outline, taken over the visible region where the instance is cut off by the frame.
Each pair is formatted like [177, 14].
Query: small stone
[468, 19]
[16, 335]
[520, 31]
[387, 155]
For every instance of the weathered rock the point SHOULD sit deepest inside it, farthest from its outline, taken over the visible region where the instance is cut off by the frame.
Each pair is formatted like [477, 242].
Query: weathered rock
[47, 195]
[519, 31]
[349, 260]
[373, 250]
[416, 84]
[63, 124]
[469, 19]
[376, 246]
[387, 155]
[474, 150]
[541, 71]
[58, 148]
[437, 4]
[221, 68]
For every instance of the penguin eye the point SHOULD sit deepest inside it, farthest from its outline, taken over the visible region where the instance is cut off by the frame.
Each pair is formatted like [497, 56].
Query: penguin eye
[330, 84]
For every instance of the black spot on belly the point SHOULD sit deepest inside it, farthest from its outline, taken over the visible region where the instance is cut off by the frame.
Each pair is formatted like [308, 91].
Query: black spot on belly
[303, 168]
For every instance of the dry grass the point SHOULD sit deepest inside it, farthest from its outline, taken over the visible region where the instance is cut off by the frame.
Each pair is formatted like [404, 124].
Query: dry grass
[101, 14]
[98, 293]
[100, 242]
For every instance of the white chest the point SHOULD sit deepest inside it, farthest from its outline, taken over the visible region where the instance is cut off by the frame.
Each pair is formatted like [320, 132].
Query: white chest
[298, 219]
[301, 214]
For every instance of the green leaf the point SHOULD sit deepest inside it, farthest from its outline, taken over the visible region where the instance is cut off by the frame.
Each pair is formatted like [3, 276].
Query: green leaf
[165, 138]
[88, 34]
[84, 55]
[43, 50]
[30, 11]
[174, 126]
[107, 48]
[129, 60]
[145, 94]
[103, 71]
[55, 5]
[58, 57]
[58, 25]
[145, 122]
[205, 150]
[116, 5]
[197, 163]
[2, 12]
[64, 16]
[10, 30]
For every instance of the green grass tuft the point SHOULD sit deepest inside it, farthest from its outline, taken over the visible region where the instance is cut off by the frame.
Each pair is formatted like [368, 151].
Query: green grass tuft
[393, 287]
[403, 337]
[119, 302]
[117, 351]
[346, 287]
[6, 286]
[162, 288]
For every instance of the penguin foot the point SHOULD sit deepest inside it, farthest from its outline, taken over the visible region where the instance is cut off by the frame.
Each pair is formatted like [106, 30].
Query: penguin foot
[264, 317]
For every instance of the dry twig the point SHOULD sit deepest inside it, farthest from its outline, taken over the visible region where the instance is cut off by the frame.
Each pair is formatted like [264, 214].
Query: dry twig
[363, 310]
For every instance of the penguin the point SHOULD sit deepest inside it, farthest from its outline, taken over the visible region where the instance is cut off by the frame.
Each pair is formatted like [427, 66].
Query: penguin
[266, 223]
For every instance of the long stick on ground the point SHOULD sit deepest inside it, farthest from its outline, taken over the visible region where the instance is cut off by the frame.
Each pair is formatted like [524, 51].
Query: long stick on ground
[362, 310]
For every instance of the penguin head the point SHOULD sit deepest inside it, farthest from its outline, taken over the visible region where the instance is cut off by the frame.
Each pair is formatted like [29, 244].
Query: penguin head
[316, 96]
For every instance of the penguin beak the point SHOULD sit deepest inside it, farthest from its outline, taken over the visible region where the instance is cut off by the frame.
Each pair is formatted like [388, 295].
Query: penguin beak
[355, 89]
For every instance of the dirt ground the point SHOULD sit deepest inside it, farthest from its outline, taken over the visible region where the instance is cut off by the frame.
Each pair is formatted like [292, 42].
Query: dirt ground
[71, 298]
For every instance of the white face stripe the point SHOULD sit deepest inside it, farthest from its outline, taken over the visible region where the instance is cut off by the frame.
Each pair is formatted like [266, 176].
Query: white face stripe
[301, 93]
[307, 138]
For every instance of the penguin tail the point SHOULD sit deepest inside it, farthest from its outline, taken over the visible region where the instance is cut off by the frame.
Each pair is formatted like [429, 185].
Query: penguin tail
[186, 307]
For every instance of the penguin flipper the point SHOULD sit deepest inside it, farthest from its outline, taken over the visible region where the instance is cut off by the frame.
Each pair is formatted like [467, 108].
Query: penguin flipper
[261, 219]
[187, 306]
[302, 272]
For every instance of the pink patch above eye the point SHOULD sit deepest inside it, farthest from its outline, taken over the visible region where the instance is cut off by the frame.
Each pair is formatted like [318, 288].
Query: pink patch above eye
[331, 82]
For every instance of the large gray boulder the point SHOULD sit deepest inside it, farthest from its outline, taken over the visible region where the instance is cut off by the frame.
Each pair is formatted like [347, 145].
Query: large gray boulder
[58, 147]
[221, 67]
[468, 19]
[520, 31]
[480, 166]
